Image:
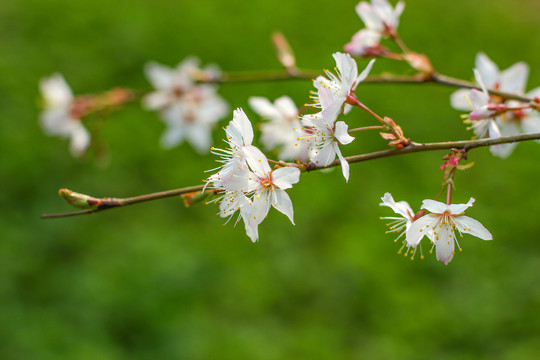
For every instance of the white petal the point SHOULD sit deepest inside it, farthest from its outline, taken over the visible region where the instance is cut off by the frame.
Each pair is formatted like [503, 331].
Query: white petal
[514, 79]
[363, 75]
[173, 136]
[260, 207]
[456, 209]
[160, 76]
[478, 99]
[257, 161]
[344, 163]
[200, 137]
[56, 91]
[80, 140]
[347, 68]
[434, 206]
[531, 124]
[324, 156]
[264, 107]
[471, 226]
[285, 177]
[419, 228]
[341, 134]
[444, 245]
[286, 107]
[244, 125]
[488, 70]
[282, 203]
[460, 100]
[402, 208]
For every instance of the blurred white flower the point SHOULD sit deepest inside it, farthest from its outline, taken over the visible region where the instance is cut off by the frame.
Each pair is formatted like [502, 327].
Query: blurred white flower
[60, 117]
[365, 42]
[190, 110]
[489, 117]
[342, 84]
[439, 226]
[379, 16]
[282, 128]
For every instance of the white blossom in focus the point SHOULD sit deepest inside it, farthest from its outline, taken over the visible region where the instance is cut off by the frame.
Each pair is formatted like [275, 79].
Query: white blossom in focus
[439, 226]
[342, 84]
[190, 110]
[59, 118]
[324, 135]
[245, 180]
[267, 189]
[282, 128]
[399, 224]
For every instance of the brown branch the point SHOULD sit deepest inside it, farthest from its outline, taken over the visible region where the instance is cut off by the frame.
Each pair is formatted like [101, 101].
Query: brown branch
[110, 203]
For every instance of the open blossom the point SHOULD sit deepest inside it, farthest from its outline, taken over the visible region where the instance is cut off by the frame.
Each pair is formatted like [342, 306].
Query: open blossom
[282, 128]
[190, 110]
[267, 188]
[365, 42]
[439, 226]
[379, 16]
[246, 181]
[489, 116]
[324, 135]
[59, 116]
[399, 224]
[343, 83]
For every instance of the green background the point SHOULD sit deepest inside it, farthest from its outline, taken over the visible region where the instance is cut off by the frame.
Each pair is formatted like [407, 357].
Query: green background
[159, 281]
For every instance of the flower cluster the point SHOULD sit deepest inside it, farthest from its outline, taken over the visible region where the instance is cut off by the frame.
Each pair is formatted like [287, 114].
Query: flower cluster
[246, 182]
[438, 225]
[190, 110]
[492, 116]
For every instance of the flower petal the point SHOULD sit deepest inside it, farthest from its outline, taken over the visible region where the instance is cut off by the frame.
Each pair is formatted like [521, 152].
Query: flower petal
[264, 107]
[341, 134]
[285, 177]
[488, 70]
[514, 79]
[344, 163]
[257, 161]
[282, 202]
[433, 206]
[402, 208]
[444, 244]
[456, 209]
[419, 228]
[460, 100]
[244, 125]
[471, 226]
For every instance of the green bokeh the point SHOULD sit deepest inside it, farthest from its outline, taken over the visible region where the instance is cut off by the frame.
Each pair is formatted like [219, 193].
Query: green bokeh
[159, 281]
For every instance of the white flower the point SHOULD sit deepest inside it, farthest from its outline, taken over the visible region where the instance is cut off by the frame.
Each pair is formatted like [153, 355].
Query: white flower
[247, 182]
[343, 83]
[59, 118]
[399, 224]
[512, 80]
[324, 135]
[267, 188]
[489, 117]
[441, 221]
[365, 42]
[239, 135]
[379, 16]
[282, 129]
[190, 110]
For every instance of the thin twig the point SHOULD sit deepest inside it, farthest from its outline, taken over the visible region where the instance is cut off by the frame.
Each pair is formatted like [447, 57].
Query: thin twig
[110, 203]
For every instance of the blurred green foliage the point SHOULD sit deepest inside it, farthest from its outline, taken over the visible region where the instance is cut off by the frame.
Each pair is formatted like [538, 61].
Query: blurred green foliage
[159, 281]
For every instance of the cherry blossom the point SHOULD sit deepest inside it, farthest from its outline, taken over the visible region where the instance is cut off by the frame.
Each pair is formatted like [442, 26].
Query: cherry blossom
[267, 189]
[282, 128]
[189, 110]
[60, 116]
[342, 84]
[324, 135]
[365, 42]
[439, 226]
[379, 16]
